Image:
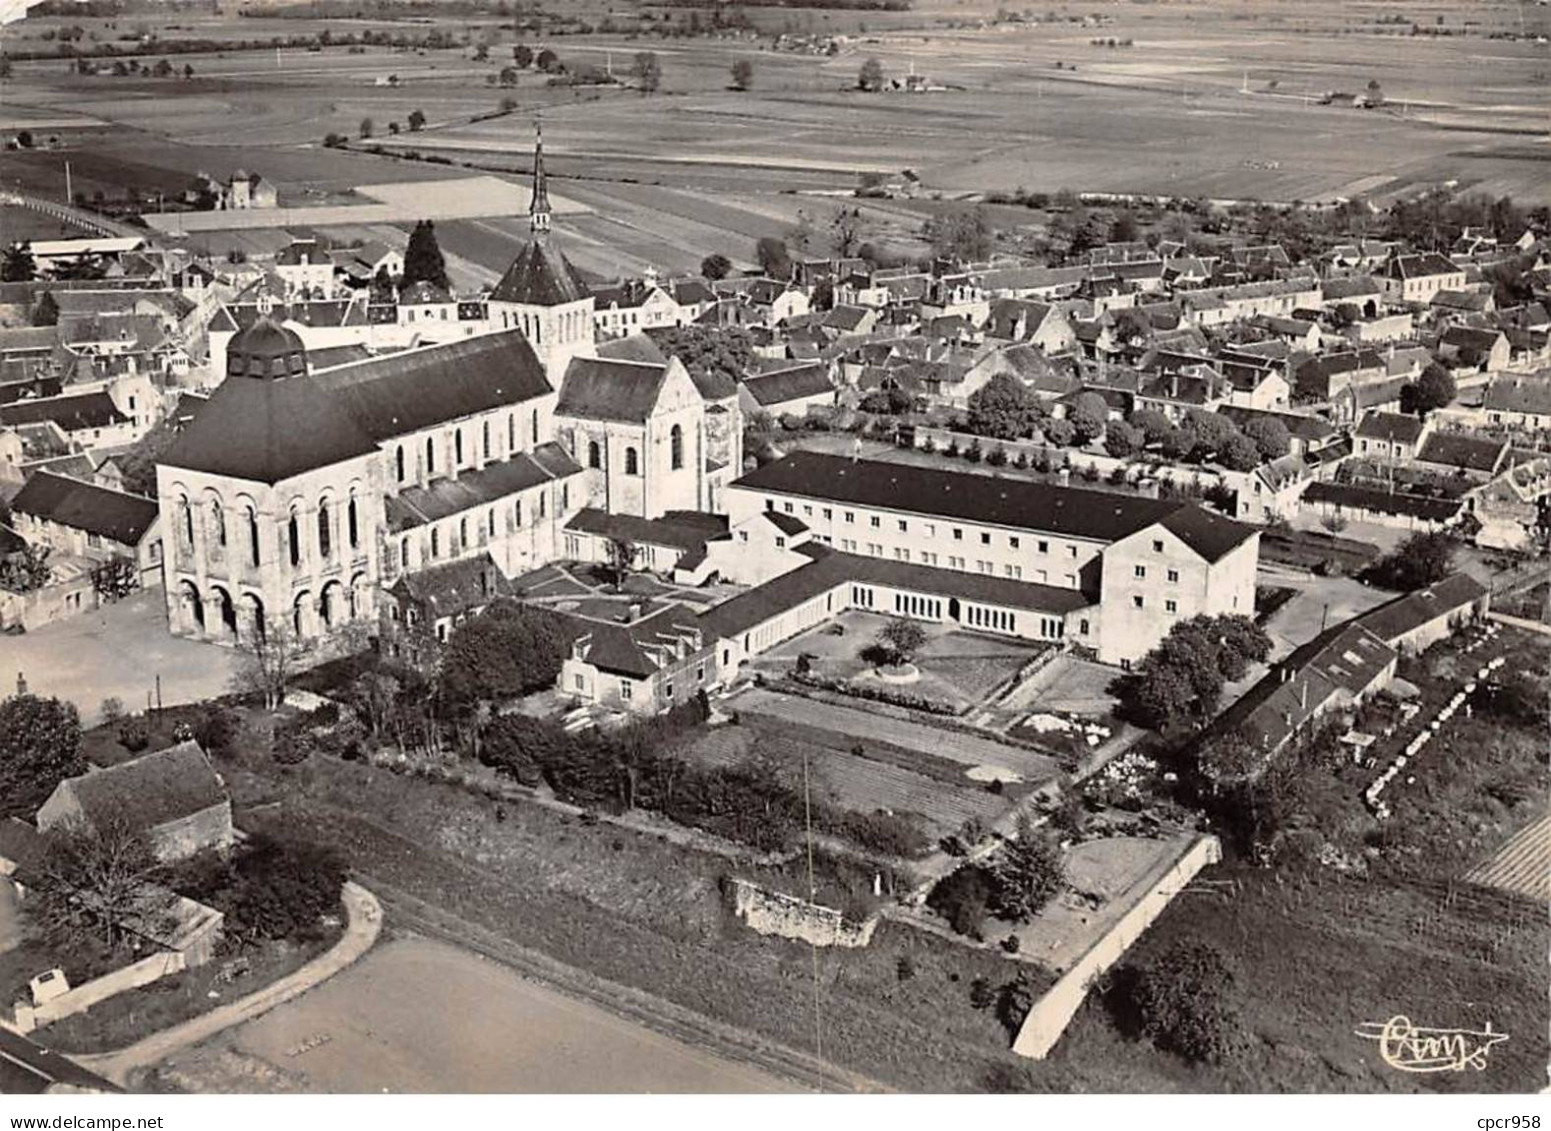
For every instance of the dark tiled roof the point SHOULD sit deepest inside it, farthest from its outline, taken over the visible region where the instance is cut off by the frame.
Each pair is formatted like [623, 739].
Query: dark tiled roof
[441, 498]
[29, 1069]
[603, 389]
[682, 530]
[1519, 395]
[113, 515]
[1310, 429]
[830, 568]
[634, 649]
[1393, 620]
[800, 383]
[404, 392]
[1391, 426]
[541, 275]
[72, 413]
[456, 587]
[152, 789]
[1099, 515]
[1474, 453]
[1385, 502]
[269, 430]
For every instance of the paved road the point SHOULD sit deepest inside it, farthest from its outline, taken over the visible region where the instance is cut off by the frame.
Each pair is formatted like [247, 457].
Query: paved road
[420, 1015]
[116, 651]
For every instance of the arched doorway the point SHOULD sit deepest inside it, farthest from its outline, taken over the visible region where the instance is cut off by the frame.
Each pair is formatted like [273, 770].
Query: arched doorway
[301, 615]
[329, 604]
[257, 626]
[953, 609]
[228, 609]
[193, 608]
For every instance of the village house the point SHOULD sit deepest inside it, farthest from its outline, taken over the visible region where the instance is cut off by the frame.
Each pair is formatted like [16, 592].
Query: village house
[1035, 323]
[645, 665]
[306, 268]
[1390, 436]
[429, 603]
[1417, 278]
[1514, 402]
[91, 522]
[794, 391]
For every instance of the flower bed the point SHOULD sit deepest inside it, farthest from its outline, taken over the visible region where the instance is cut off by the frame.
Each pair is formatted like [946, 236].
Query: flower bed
[876, 694]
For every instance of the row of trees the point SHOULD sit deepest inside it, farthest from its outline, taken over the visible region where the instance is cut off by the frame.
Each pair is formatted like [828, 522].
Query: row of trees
[1007, 409]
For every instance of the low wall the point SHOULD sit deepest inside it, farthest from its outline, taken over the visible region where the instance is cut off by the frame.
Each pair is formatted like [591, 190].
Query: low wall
[774, 913]
[1043, 1027]
[88, 994]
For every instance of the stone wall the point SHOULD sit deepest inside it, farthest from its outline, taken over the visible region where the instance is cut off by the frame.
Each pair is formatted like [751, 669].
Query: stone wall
[774, 913]
[88, 994]
[1043, 1027]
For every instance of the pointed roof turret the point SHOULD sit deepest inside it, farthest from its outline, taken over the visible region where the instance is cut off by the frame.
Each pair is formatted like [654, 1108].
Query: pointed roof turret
[538, 207]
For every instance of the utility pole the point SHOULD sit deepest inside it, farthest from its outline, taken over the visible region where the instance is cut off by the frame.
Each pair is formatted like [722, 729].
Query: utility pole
[69, 196]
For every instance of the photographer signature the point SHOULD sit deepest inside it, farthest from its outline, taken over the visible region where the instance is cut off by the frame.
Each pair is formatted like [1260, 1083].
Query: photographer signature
[1410, 1048]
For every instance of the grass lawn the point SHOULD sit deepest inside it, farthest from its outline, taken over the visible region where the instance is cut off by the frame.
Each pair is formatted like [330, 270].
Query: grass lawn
[635, 910]
[122, 1020]
[102, 747]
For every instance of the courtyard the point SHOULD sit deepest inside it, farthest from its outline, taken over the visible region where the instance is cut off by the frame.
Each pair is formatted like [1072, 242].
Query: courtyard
[118, 651]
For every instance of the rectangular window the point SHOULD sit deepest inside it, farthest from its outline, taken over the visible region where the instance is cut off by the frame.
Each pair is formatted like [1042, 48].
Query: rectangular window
[626, 691]
[1013, 541]
[580, 681]
[958, 534]
[850, 516]
[1173, 575]
[985, 538]
[1071, 551]
[931, 529]
[1157, 545]
[788, 508]
[807, 510]
[875, 522]
[1141, 571]
[1171, 606]
[903, 526]
[1044, 547]
[1138, 601]
[828, 514]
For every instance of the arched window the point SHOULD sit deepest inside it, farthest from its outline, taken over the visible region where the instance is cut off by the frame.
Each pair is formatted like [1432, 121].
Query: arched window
[511, 433]
[294, 538]
[352, 523]
[188, 522]
[463, 533]
[457, 446]
[535, 420]
[484, 438]
[404, 553]
[436, 542]
[218, 522]
[253, 537]
[594, 455]
[517, 514]
[325, 531]
[398, 462]
[430, 454]
[632, 463]
[676, 442]
[492, 522]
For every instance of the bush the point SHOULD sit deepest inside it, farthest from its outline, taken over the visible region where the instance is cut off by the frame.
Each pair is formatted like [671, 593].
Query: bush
[1182, 1002]
[962, 897]
[283, 888]
[904, 968]
[216, 729]
[886, 833]
[1029, 872]
[133, 735]
[1014, 1001]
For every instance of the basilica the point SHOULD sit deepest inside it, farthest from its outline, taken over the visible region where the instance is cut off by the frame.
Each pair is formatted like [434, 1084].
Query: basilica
[300, 496]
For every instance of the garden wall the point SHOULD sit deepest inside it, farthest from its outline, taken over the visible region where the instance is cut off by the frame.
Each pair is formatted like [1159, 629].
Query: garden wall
[1076, 459]
[1043, 1027]
[774, 913]
[88, 994]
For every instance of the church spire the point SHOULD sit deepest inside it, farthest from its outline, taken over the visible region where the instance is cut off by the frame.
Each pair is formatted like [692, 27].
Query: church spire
[538, 208]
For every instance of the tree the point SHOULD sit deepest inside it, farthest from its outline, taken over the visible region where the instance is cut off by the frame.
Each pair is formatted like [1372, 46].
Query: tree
[1027, 874]
[522, 55]
[96, 876]
[1434, 389]
[962, 236]
[508, 650]
[416, 121]
[282, 888]
[548, 61]
[423, 260]
[961, 897]
[1178, 442]
[1421, 560]
[1123, 440]
[1181, 680]
[647, 69]
[1375, 93]
[188, 71]
[1087, 416]
[115, 578]
[870, 77]
[24, 139]
[1123, 228]
[366, 127]
[28, 570]
[847, 231]
[1155, 425]
[265, 662]
[163, 69]
[46, 311]
[715, 266]
[18, 265]
[1239, 453]
[773, 258]
[1004, 408]
[40, 746]
[742, 74]
[725, 351]
[1061, 433]
[620, 557]
[1269, 435]
[901, 638]
[1183, 1001]
[1212, 433]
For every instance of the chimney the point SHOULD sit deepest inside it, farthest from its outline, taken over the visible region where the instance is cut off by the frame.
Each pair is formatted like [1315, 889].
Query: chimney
[633, 613]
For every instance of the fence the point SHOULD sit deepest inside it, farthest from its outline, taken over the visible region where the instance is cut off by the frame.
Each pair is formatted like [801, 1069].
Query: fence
[1043, 1027]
